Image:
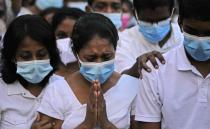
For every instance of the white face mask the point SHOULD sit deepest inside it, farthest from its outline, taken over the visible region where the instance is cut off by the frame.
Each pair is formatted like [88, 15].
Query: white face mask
[65, 51]
[79, 5]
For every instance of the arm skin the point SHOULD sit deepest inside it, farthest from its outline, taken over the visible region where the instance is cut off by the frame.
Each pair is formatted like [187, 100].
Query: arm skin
[57, 123]
[145, 125]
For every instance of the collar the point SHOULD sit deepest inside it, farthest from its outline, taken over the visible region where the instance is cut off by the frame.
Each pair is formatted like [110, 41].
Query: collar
[182, 62]
[15, 89]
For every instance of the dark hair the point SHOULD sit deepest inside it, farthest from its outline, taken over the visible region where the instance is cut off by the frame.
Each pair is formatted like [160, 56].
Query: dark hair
[152, 4]
[36, 28]
[48, 11]
[62, 14]
[90, 2]
[26, 3]
[90, 25]
[195, 9]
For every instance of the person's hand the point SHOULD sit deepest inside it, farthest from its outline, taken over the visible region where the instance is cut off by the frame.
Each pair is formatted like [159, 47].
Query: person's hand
[141, 63]
[151, 56]
[45, 124]
[91, 113]
[102, 118]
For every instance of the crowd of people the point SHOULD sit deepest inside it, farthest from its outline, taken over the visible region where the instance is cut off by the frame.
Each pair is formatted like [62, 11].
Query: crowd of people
[104, 64]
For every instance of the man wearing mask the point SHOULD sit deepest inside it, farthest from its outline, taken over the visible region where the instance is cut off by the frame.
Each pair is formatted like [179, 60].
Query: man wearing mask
[176, 96]
[154, 31]
[39, 6]
[110, 8]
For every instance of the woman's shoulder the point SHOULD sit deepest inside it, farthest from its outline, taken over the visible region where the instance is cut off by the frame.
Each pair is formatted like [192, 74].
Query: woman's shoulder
[58, 85]
[129, 83]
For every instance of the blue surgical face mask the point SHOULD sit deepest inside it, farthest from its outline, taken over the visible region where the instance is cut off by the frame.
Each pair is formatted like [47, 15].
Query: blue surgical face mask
[156, 32]
[79, 5]
[97, 71]
[197, 47]
[44, 4]
[115, 18]
[34, 71]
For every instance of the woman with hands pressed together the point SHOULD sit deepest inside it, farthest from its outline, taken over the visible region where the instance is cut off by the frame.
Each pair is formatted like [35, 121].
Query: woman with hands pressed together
[96, 96]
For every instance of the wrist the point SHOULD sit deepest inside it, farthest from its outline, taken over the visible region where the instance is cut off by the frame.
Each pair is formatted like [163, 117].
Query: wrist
[133, 71]
[108, 125]
[87, 124]
[105, 124]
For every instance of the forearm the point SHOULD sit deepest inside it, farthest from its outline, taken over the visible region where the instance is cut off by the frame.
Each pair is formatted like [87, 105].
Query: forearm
[148, 125]
[133, 71]
[84, 125]
[108, 125]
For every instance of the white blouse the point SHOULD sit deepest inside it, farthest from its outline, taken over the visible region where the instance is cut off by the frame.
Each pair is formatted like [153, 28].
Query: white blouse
[18, 107]
[61, 103]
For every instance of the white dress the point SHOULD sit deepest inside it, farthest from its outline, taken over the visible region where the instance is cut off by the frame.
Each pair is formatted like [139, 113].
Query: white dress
[61, 103]
[18, 107]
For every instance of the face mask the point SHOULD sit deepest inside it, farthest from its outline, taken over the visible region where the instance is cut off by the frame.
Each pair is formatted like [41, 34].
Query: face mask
[44, 4]
[154, 33]
[79, 5]
[65, 51]
[115, 18]
[34, 71]
[197, 47]
[97, 71]
[125, 20]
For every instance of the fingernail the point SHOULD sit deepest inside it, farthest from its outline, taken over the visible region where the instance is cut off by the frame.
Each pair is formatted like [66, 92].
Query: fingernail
[163, 62]
[149, 70]
[156, 66]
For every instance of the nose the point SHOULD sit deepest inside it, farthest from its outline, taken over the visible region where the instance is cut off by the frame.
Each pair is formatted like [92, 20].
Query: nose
[34, 57]
[109, 9]
[99, 60]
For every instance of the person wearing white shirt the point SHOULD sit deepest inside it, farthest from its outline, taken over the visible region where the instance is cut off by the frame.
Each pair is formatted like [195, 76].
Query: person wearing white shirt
[29, 59]
[155, 31]
[176, 96]
[96, 95]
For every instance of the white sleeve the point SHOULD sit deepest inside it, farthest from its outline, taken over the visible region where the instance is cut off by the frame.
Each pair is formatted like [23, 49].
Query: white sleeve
[148, 106]
[133, 106]
[124, 58]
[53, 102]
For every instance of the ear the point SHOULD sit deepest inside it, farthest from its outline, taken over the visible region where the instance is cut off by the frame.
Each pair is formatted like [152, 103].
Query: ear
[88, 9]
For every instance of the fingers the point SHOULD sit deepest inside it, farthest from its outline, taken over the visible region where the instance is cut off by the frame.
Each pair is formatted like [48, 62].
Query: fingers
[38, 117]
[48, 126]
[153, 60]
[159, 56]
[141, 61]
[151, 56]
[44, 124]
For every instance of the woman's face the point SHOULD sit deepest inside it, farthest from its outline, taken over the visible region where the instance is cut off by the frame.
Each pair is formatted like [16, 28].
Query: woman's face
[97, 50]
[65, 28]
[30, 49]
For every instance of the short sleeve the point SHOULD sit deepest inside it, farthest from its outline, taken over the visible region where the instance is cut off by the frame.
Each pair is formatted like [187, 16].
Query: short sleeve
[133, 107]
[124, 57]
[148, 105]
[53, 101]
